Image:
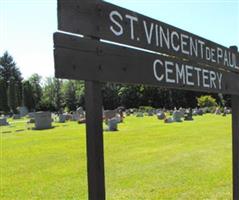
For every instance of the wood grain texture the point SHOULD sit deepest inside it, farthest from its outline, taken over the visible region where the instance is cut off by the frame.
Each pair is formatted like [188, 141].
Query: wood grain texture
[85, 59]
[235, 145]
[94, 138]
[91, 18]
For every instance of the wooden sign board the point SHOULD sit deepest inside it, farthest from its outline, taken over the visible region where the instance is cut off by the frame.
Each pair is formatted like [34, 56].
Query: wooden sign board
[86, 59]
[176, 59]
[106, 21]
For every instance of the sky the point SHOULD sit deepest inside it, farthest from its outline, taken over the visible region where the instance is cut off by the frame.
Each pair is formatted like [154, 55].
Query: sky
[27, 26]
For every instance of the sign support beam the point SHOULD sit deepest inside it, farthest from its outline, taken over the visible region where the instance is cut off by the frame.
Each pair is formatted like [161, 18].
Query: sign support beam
[94, 138]
[235, 145]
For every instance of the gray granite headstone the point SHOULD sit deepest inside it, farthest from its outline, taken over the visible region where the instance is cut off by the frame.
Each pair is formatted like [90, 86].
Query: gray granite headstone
[3, 122]
[16, 116]
[62, 118]
[169, 120]
[43, 120]
[177, 115]
[31, 115]
[188, 116]
[161, 115]
[108, 114]
[23, 111]
[112, 124]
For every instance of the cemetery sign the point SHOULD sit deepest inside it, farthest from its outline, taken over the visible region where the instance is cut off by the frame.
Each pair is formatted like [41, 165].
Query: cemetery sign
[126, 47]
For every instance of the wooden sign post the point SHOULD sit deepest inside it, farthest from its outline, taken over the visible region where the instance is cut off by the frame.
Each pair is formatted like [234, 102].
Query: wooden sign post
[137, 50]
[235, 141]
[94, 138]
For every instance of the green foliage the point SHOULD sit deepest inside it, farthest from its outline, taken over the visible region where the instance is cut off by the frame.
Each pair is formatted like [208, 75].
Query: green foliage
[146, 108]
[35, 81]
[11, 84]
[52, 98]
[206, 101]
[28, 96]
[70, 96]
[12, 98]
[3, 98]
[111, 99]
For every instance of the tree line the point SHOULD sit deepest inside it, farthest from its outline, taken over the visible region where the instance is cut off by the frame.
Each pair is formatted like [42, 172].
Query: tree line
[59, 95]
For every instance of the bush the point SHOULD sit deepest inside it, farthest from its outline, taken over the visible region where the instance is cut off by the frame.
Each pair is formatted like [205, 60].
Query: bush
[206, 101]
[145, 108]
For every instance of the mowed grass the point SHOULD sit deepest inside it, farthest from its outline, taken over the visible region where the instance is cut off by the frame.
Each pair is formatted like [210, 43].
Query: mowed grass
[145, 160]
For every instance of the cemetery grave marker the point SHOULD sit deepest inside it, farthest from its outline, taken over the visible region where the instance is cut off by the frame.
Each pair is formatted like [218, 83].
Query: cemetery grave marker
[43, 120]
[176, 59]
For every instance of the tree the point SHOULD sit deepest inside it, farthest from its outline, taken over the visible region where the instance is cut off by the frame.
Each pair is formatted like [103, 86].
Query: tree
[58, 95]
[28, 96]
[111, 100]
[206, 101]
[52, 98]
[11, 78]
[70, 96]
[3, 98]
[12, 98]
[130, 96]
[35, 81]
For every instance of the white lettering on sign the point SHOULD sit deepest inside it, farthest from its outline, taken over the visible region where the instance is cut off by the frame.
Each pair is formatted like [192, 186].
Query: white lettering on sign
[159, 35]
[175, 73]
[132, 19]
[148, 32]
[120, 31]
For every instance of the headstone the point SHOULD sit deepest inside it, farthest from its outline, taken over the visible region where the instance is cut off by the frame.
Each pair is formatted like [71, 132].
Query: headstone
[62, 118]
[31, 115]
[43, 120]
[118, 118]
[168, 120]
[218, 111]
[161, 116]
[177, 115]
[23, 111]
[76, 116]
[16, 116]
[188, 116]
[150, 113]
[109, 114]
[80, 111]
[68, 116]
[182, 110]
[112, 124]
[195, 112]
[3, 122]
[200, 112]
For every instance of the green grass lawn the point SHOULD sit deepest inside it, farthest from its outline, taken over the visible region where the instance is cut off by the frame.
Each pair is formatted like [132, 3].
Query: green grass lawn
[145, 160]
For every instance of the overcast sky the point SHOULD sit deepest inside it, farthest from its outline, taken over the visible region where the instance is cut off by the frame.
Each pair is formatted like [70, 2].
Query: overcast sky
[27, 26]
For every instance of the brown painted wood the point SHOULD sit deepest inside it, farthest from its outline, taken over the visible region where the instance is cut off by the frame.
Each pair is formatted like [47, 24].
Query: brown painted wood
[84, 59]
[94, 137]
[91, 18]
[235, 146]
